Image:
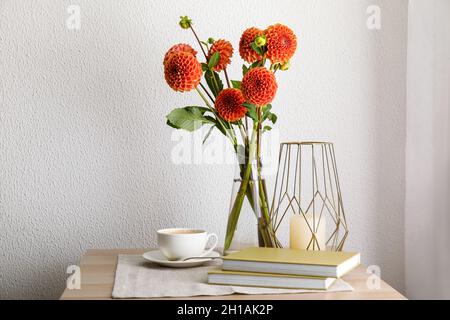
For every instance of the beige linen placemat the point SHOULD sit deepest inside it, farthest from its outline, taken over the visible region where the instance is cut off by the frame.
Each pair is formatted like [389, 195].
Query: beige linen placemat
[138, 278]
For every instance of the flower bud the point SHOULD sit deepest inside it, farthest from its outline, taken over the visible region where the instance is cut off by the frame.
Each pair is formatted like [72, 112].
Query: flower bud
[285, 66]
[185, 22]
[260, 41]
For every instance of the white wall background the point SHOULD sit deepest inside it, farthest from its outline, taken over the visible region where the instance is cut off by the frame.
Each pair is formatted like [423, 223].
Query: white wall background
[427, 201]
[85, 152]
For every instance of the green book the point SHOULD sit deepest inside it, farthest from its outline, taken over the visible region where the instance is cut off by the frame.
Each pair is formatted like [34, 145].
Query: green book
[292, 262]
[268, 280]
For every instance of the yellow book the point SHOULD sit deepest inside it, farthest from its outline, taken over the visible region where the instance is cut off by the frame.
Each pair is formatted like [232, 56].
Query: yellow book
[293, 262]
[268, 280]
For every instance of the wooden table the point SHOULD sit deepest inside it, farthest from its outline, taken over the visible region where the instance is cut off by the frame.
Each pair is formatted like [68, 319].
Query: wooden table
[98, 268]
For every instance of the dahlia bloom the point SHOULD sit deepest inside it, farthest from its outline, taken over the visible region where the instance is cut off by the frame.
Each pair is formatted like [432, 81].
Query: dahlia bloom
[259, 86]
[229, 104]
[181, 47]
[245, 49]
[281, 43]
[225, 50]
[182, 71]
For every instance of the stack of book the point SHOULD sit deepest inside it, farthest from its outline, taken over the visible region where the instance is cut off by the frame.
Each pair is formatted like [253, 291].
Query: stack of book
[284, 268]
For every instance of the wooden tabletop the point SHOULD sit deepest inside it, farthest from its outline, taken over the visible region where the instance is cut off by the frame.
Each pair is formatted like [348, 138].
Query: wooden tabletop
[99, 266]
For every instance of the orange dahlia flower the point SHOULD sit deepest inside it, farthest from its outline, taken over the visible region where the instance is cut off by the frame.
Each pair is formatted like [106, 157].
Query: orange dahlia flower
[281, 43]
[181, 47]
[229, 104]
[225, 50]
[245, 48]
[182, 71]
[259, 86]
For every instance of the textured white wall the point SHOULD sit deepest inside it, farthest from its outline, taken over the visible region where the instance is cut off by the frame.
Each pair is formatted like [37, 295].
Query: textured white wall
[85, 152]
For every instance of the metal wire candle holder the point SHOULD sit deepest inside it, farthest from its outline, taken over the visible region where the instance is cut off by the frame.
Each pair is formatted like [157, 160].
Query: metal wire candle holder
[307, 183]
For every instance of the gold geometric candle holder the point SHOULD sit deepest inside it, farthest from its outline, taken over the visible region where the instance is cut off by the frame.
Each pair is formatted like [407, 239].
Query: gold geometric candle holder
[307, 184]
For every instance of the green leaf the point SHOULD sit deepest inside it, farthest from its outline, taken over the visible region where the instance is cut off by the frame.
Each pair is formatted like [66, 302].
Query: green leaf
[245, 69]
[209, 77]
[188, 118]
[196, 109]
[205, 67]
[257, 49]
[251, 111]
[255, 64]
[236, 84]
[269, 115]
[267, 128]
[272, 117]
[266, 111]
[211, 119]
[214, 60]
[171, 125]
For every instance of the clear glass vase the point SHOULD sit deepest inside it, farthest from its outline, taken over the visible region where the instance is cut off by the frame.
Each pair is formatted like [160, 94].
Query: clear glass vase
[249, 224]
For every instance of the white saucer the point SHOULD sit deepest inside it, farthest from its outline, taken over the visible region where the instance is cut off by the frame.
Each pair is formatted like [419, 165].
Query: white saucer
[156, 256]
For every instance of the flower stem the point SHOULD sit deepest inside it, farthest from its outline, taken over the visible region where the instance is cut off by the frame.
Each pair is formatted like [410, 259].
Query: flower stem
[264, 222]
[237, 206]
[199, 42]
[204, 99]
[216, 84]
[243, 133]
[248, 188]
[226, 77]
[206, 91]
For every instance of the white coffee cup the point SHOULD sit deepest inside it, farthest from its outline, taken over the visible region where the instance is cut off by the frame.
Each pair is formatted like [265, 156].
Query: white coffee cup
[181, 243]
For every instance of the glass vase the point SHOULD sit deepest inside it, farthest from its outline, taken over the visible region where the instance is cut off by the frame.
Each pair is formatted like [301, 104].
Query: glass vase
[249, 224]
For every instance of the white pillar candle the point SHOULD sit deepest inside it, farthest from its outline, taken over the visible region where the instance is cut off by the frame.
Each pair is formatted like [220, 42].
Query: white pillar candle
[300, 232]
